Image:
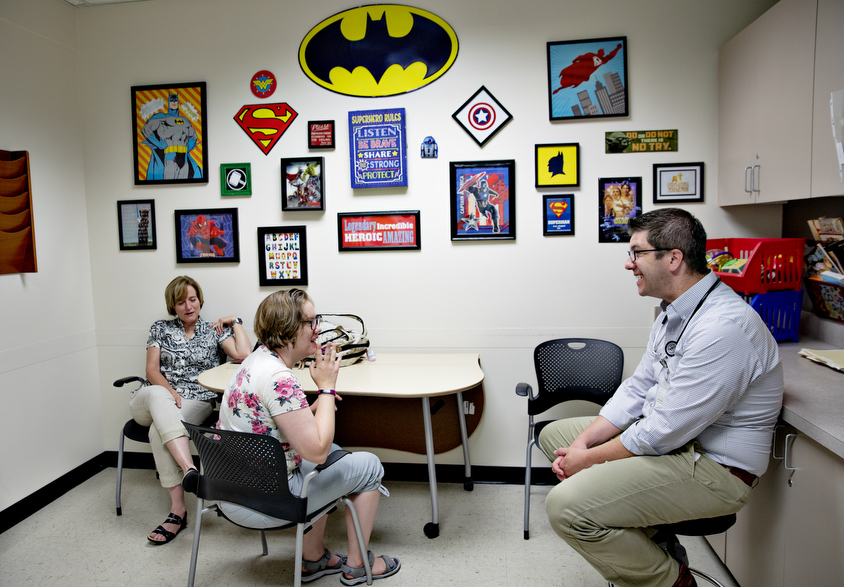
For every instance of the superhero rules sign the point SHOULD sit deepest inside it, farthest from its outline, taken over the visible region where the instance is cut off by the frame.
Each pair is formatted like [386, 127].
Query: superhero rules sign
[378, 147]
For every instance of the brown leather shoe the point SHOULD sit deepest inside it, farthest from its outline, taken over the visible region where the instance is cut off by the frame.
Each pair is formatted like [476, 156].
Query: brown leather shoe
[685, 579]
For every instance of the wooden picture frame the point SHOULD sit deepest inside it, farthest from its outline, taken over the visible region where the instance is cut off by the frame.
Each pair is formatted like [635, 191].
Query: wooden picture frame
[558, 215]
[136, 225]
[302, 184]
[170, 136]
[676, 183]
[483, 200]
[587, 78]
[207, 235]
[282, 256]
[557, 165]
[379, 231]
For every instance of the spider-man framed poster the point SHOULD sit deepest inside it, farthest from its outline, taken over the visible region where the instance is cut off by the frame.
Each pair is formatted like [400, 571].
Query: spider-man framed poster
[587, 78]
[208, 235]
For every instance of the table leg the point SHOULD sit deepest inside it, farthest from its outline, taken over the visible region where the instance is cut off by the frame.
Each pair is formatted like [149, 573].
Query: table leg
[432, 529]
[468, 484]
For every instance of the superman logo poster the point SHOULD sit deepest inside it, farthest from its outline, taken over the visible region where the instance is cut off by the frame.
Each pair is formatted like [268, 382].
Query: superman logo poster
[378, 50]
[265, 123]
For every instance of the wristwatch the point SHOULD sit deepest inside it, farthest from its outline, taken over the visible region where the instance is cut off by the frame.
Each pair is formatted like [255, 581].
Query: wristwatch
[328, 391]
[237, 321]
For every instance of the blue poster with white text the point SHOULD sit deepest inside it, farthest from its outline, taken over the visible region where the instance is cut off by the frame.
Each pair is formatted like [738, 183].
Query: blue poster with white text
[378, 147]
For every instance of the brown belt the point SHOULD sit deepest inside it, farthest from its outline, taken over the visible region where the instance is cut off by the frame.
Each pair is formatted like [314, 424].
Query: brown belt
[747, 478]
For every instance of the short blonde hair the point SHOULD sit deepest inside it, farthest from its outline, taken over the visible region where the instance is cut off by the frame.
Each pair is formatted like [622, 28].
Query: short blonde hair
[177, 291]
[279, 318]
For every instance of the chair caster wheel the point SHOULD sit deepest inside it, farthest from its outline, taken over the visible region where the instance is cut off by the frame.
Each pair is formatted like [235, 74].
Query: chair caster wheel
[432, 530]
[468, 484]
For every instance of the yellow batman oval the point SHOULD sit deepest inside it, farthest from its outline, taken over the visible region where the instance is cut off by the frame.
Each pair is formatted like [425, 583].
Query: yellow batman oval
[378, 50]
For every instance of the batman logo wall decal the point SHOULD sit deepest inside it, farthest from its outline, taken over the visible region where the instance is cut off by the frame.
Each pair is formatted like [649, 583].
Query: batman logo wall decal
[378, 50]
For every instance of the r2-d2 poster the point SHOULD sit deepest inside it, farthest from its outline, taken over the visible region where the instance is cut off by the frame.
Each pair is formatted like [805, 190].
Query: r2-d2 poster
[378, 147]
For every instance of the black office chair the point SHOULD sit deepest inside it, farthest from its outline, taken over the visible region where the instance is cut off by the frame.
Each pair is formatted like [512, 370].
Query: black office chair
[246, 474]
[667, 538]
[568, 369]
[134, 431]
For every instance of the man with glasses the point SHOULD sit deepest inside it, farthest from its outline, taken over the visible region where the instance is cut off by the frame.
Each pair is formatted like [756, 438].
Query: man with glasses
[687, 435]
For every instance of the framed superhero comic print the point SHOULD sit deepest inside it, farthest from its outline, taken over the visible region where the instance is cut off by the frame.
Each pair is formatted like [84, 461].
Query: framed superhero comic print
[587, 78]
[678, 182]
[302, 184]
[170, 138]
[558, 215]
[136, 225]
[483, 200]
[235, 179]
[208, 235]
[282, 256]
[619, 200]
[379, 231]
[557, 164]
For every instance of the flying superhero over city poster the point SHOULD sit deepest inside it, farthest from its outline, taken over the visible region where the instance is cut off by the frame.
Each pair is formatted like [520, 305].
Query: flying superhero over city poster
[587, 78]
[171, 144]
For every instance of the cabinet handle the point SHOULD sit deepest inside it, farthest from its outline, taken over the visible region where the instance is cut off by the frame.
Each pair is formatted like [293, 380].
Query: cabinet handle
[785, 455]
[754, 177]
[774, 447]
[749, 191]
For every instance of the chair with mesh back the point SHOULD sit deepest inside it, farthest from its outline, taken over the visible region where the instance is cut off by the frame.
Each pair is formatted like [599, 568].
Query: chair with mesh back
[246, 475]
[568, 369]
[134, 431]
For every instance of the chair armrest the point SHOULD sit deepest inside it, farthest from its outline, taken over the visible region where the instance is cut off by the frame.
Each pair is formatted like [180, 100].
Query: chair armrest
[125, 380]
[332, 458]
[524, 390]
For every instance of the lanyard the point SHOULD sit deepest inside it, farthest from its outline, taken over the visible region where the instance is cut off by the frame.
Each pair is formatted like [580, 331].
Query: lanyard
[671, 345]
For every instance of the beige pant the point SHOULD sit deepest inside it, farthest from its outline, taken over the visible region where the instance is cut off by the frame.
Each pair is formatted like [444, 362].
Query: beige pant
[154, 406]
[606, 512]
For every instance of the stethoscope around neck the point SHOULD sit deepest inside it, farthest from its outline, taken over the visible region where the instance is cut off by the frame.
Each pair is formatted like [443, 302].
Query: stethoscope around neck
[671, 345]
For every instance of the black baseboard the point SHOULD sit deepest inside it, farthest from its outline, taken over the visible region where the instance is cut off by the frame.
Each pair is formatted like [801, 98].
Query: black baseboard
[392, 472]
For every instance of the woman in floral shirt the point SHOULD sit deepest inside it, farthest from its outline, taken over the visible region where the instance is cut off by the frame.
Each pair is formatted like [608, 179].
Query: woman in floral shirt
[264, 397]
[178, 351]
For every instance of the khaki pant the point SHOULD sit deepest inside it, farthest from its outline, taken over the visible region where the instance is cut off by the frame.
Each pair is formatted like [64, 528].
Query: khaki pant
[155, 407]
[606, 512]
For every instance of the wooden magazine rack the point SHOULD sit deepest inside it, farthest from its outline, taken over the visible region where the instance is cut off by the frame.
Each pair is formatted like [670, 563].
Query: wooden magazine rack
[17, 230]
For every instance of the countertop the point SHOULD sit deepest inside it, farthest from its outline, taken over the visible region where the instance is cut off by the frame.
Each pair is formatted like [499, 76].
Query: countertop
[813, 401]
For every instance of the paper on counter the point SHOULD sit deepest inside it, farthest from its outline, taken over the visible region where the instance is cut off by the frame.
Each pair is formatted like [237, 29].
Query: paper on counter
[831, 358]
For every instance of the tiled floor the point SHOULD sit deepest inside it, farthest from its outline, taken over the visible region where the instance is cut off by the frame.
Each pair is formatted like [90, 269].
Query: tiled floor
[79, 541]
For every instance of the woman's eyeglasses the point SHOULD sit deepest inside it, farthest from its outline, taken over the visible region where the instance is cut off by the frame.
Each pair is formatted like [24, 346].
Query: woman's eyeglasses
[314, 322]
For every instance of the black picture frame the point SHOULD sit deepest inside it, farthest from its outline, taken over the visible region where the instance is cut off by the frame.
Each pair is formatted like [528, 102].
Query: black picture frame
[677, 183]
[282, 256]
[558, 215]
[186, 159]
[207, 235]
[398, 230]
[557, 165]
[469, 221]
[134, 219]
[302, 184]
[321, 134]
[616, 206]
[580, 87]
[482, 116]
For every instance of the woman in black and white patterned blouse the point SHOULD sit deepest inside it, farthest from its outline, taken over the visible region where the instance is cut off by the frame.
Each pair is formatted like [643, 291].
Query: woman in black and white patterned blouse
[178, 350]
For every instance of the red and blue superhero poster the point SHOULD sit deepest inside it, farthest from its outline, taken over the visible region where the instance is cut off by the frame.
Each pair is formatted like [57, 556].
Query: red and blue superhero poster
[171, 144]
[207, 236]
[378, 147]
[483, 200]
[558, 215]
[587, 78]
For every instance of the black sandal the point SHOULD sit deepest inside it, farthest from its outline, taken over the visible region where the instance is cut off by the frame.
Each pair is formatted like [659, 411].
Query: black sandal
[190, 482]
[168, 536]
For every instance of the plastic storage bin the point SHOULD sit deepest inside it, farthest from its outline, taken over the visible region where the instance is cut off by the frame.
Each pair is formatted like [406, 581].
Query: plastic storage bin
[774, 264]
[780, 310]
[827, 299]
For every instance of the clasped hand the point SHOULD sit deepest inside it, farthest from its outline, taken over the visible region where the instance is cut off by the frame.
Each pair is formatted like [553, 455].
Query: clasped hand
[570, 460]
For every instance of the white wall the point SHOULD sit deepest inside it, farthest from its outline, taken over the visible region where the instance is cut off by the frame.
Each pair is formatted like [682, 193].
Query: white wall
[498, 299]
[52, 412]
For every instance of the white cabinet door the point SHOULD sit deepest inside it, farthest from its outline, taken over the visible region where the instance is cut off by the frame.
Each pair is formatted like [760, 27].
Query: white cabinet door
[829, 77]
[765, 107]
